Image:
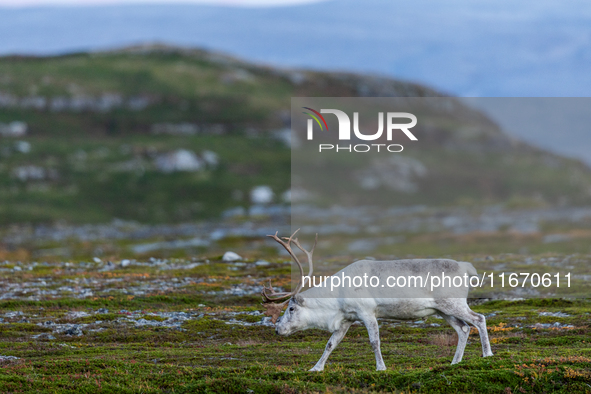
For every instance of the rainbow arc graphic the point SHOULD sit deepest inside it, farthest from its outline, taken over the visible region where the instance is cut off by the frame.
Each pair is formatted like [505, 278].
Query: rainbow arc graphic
[315, 115]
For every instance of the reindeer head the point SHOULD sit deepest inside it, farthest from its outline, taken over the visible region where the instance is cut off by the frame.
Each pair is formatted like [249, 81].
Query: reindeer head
[272, 299]
[296, 317]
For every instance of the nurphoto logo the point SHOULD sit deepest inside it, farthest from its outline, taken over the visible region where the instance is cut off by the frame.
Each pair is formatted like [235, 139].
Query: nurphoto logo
[344, 132]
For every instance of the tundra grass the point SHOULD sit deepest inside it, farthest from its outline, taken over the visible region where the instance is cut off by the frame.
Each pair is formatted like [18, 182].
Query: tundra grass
[227, 346]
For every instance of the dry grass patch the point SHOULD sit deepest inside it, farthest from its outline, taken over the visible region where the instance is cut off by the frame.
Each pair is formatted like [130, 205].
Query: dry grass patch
[249, 342]
[504, 338]
[442, 339]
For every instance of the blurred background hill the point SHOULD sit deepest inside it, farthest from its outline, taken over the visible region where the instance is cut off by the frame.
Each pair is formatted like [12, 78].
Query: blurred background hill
[114, 125]
[159, 134]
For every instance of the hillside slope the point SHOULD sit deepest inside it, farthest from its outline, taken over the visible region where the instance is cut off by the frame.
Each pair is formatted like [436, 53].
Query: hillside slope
[161, 134]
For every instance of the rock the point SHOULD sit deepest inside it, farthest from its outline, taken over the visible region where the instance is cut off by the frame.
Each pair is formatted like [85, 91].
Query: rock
[125, 263]
[102, 311]
[554, 314]
[539, 326]
[30, 172]
[231, 256]
[286, 196]
[144, 322]
[22, 147]
[218, 234]
[180, 160]
[108, 266]
[261, 195]
[262, 263]
[210, 158]
[8, 358]
[175, 320]
[268, 210]
[76, 314]
[177, 244]
[296, 77]
[44, 337]
[17, 268]
[13, 129]
[96, 260]
[75, 330]
[285, 136]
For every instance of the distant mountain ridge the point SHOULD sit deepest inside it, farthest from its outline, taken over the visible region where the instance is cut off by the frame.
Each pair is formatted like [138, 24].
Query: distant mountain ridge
[491, 48]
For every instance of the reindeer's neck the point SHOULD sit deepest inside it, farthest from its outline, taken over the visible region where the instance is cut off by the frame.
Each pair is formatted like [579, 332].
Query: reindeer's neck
[324, 313]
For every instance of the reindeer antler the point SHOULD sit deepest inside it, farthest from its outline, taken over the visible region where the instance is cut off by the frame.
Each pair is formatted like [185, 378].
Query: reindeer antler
[274, 310]
[308, 254]
[268, 293]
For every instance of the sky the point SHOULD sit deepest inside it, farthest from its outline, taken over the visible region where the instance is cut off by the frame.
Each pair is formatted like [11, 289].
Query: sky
[244, 3]
[494, 48]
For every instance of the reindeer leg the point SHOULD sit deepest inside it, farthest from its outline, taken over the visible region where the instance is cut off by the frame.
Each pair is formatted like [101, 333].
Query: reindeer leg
[463, 312]
[334, 340]
[458, 308]
[374, 339]
[463, 331]
[479, 321]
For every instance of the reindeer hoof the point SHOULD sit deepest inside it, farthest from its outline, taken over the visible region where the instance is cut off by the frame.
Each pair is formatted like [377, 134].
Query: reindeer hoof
[382, 368]
[316, 369]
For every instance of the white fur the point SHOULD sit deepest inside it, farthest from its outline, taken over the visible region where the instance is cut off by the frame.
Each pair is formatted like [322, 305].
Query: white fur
[335, 311]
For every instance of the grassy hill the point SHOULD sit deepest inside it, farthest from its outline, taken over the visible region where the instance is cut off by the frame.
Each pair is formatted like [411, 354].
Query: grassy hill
[106, 130]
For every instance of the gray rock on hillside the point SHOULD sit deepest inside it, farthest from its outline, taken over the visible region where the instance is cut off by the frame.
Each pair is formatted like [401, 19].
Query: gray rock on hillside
[8, 358]
[179, 160]
[231, 256]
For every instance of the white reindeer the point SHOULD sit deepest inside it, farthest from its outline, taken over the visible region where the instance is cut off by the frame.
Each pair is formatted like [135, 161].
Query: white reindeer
[335, 311]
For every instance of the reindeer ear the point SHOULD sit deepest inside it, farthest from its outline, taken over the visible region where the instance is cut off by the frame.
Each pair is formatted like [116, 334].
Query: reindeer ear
[298, 299]
[273, 310]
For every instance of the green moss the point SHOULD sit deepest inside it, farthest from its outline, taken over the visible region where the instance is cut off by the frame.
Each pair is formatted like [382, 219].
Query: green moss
[211, 353]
